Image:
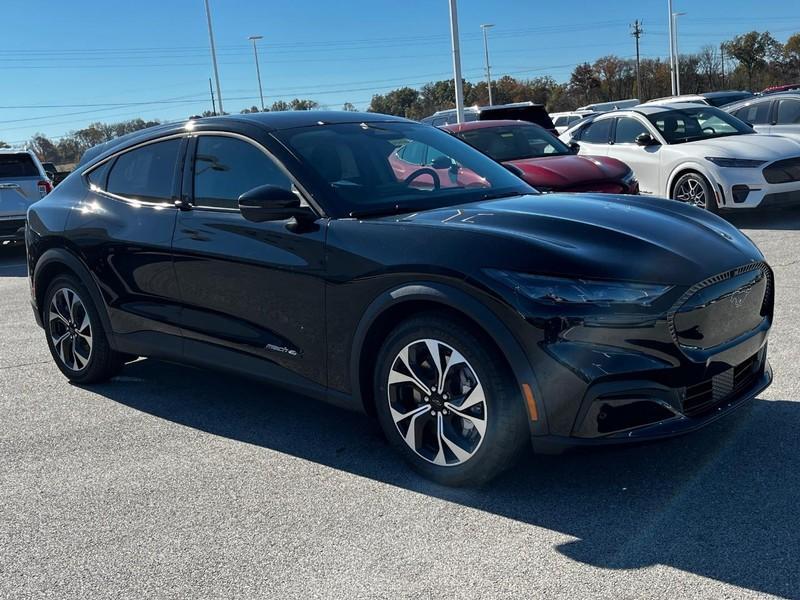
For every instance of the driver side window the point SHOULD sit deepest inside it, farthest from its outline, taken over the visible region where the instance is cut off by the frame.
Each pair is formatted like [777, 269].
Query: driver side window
[628, 129]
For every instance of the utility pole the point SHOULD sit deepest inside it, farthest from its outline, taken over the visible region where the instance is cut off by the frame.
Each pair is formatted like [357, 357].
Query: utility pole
[214, 56]
[637, 33]
[671, 48]
[456, 62]
[213, 102]
[254, 39]
[722, 60]
[486, 52]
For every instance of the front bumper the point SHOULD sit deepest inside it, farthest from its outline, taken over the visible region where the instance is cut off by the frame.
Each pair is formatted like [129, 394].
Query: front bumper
[747, 188]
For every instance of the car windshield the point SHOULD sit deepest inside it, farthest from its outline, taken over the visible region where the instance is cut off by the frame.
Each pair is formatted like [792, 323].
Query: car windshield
[395, 167]
[681, 125]
[514, 142]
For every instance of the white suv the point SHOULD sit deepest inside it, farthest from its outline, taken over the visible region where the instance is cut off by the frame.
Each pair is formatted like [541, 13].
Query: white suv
[697, 154]
[22, 182]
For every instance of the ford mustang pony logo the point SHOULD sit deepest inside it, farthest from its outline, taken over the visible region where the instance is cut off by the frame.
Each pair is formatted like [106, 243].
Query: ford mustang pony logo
[738, 297]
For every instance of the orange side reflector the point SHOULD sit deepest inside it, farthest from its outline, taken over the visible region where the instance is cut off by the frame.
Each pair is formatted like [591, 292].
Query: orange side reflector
[526, 389]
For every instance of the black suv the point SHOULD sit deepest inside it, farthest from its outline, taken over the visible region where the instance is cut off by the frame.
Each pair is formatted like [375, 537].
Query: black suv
[473, 316]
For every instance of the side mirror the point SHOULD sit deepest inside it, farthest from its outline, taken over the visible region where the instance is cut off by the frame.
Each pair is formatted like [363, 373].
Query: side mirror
[443, 162]
[645, 139]
[270, 203]
[574, 147]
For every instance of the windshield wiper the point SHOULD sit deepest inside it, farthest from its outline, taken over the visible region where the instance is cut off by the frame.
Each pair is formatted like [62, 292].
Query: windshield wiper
[498, 195]
[378, 211]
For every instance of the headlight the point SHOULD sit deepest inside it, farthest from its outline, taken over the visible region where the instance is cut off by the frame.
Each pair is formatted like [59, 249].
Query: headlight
[742, 163]
[555, 290]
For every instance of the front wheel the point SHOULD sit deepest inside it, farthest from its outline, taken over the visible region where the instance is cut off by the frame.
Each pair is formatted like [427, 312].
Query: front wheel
[694, 189]
[447, 403]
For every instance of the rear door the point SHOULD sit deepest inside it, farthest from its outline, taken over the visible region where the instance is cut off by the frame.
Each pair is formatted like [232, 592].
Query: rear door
[645, 161]
[595, 137]
[757, 114]
[19, 184]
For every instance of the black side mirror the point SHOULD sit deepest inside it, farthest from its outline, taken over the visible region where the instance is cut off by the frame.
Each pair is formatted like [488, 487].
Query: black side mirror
[443, 162]
[574, 147]
[270, 203]
[645, 139]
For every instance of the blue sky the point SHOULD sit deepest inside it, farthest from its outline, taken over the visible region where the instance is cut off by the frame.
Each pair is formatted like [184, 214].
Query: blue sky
[75, 60]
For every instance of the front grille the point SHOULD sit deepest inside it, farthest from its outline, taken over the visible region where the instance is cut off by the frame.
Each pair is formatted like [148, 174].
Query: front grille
[781, 199]
[704, 396]
[783, 171]
[722, 307]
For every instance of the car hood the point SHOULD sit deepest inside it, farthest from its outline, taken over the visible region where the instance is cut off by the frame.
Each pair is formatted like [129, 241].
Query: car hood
[755, 146]
[592, 235]
[570, 170]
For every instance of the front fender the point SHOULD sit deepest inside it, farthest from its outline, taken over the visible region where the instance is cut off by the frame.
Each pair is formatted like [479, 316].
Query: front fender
[458, 300]
[692, 165]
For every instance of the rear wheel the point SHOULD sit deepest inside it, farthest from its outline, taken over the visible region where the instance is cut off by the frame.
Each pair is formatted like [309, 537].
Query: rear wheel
[447, 403]
[695, 189]
[75, 334]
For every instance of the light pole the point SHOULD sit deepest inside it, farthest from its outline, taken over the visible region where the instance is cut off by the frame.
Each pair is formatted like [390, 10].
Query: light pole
[671, 49]
[456, 62]
[214, 57]
[675, 16]
[485, 28]
[254, 39]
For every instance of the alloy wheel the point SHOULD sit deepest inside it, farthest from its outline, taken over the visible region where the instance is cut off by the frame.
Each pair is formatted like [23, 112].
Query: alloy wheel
[437, 402]
[70, 329]
[691, 191]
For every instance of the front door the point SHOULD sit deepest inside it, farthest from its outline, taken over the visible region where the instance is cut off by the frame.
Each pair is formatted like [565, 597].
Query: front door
[645, 161]
[248, 289]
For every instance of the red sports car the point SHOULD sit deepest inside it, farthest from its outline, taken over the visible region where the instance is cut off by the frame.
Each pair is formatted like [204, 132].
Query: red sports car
[543, 160]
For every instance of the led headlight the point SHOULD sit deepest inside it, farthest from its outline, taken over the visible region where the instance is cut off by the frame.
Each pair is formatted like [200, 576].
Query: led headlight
[742, 163]
[557, 290]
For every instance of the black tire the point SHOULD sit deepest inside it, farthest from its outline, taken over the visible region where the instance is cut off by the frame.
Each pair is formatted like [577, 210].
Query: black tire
[103, 362]
[506, 433]
[683, 191]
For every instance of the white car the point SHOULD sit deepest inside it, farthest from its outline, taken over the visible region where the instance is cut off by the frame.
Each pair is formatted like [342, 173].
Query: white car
[776, 114]
[564, 120]
[697, 154]
[23, 181]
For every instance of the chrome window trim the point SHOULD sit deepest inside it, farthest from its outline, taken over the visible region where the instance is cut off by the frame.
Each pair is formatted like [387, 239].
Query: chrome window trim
[304, 193]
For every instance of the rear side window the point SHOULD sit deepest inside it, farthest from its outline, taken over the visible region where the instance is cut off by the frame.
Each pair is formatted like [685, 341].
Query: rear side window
[147, 173]
[226, 168]
[789, 112]
[17, 165]
[597, 132]
[755, 114]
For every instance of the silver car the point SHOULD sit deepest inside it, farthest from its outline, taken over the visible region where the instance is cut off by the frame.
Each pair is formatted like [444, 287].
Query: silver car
[776, 114]
[23, 181]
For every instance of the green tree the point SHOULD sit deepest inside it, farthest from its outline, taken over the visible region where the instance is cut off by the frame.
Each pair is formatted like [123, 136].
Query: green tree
[584, 82]
[402, 102]
[753, 51]
[4, 145]
[280, 105]
[347, 106]
[298, 104]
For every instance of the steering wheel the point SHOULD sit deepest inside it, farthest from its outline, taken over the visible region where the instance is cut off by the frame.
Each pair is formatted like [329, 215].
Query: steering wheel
[424, 171]
[711, 129]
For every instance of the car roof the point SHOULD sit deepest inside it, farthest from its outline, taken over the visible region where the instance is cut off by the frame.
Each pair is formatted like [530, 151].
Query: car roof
[468, 126]
[653, 109]
[271, 121]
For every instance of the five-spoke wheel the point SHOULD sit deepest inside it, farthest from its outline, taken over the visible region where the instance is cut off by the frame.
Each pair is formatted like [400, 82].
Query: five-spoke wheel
[448, 402]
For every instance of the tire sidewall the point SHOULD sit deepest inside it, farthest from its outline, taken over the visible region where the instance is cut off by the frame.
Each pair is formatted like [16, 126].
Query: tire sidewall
[502, 405]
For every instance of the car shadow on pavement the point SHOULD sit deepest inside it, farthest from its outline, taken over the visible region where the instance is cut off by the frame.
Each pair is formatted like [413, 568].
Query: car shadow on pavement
[720, 503]
[771, 218]
[12, 261]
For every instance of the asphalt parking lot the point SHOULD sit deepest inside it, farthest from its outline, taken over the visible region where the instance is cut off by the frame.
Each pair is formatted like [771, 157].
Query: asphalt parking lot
[171, 482]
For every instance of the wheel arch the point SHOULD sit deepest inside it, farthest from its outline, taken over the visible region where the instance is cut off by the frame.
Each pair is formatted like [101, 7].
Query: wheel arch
[391, 307]
[692, 167]
[59, 261]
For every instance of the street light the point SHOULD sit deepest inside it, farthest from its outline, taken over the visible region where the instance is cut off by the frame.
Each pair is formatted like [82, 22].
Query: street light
[456, 62]
[671, 49]
[214, 56]
[254, 39]
[485, 28]
[675, 16]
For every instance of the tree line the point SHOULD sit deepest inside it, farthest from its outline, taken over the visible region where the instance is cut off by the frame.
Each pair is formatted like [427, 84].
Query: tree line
[751, 61]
